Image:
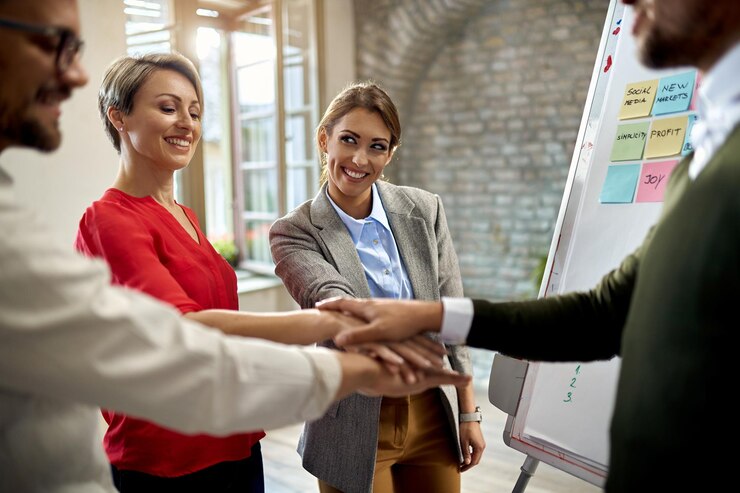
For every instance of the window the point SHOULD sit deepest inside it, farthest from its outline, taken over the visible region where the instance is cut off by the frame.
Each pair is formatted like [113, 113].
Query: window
[213, 51]
[257, 61]
[277, 110]
[148, 25]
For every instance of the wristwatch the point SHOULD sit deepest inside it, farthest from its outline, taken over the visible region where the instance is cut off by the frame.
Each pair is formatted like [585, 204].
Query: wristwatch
[474, 416]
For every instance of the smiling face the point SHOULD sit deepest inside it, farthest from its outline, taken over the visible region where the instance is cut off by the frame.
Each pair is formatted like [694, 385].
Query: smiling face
[164, 125]
[31, 89]
[357, 152]
[672, 33]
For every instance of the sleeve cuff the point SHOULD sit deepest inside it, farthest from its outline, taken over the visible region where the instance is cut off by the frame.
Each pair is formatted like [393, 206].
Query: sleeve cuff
[457, 317]
[328, 373]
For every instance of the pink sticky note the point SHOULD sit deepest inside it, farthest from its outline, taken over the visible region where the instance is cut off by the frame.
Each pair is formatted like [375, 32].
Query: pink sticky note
[692, 106]
[653, 179]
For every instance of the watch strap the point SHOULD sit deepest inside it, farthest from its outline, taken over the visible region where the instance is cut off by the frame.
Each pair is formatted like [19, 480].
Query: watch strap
[474, 416]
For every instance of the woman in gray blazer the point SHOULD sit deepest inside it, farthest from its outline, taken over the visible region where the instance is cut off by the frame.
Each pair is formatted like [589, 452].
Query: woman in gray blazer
[366, 238]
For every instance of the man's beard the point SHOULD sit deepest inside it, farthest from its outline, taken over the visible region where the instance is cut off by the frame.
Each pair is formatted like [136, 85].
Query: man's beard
[658, 52]
[672, 47]
[23, 131]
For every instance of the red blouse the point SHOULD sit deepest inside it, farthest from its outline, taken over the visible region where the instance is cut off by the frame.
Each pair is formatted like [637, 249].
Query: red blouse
[148, 250]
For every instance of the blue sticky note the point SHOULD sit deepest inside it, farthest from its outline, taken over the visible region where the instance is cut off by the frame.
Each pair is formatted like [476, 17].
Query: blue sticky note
[674, 93]
[620, 183]
[687, 147]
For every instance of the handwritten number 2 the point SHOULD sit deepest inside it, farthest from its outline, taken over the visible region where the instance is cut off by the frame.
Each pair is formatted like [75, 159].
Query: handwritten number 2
[572, 385]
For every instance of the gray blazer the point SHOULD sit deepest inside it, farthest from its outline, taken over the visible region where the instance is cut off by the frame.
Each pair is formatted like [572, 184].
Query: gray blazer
[316, 259]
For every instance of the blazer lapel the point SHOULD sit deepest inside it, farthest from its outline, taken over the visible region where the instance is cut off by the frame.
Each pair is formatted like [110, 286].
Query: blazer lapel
[412, 238]
[338, 244]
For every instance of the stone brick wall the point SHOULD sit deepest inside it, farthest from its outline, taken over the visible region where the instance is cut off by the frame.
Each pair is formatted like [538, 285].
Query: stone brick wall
[491, 94]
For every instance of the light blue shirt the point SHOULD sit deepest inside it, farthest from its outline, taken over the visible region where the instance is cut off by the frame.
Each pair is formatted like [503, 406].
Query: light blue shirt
[386, 276]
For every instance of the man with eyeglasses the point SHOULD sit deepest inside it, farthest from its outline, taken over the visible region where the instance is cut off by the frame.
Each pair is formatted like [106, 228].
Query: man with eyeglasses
[69, 342]
[68, 45]
[28, 89]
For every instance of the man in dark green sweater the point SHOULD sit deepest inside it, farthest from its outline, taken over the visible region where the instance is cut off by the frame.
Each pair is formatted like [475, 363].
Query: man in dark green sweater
[668, 309]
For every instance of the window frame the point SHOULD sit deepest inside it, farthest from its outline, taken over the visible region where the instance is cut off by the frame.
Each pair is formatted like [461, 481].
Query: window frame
[191, 182]
[241, 216]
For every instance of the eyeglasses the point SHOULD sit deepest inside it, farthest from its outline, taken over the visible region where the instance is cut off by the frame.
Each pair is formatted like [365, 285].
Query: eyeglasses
[69, 44]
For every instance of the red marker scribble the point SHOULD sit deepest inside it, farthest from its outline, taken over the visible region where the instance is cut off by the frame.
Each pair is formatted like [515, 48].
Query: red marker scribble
[616, 31]
[608, 63]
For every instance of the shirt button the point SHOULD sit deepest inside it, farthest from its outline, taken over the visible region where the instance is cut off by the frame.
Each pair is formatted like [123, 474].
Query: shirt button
[375, 242]
[386, 272]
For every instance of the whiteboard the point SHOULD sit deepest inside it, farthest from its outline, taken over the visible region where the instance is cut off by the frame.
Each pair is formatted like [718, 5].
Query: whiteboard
[564, 410]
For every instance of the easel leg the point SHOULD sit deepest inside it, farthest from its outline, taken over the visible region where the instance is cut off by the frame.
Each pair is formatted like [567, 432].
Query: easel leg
[528, 469]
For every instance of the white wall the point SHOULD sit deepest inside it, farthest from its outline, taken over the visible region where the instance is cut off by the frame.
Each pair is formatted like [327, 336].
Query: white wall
[271, 299]
[62, 184]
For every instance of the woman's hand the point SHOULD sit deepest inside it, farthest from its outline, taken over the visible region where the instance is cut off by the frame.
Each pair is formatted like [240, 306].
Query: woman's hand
[386, 320]
[419, 351]
[397, 384]
[406, 358]
[472, 444]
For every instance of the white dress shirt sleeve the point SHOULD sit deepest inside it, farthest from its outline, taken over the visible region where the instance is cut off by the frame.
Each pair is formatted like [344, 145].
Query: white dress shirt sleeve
[457, 317]
[66, 333]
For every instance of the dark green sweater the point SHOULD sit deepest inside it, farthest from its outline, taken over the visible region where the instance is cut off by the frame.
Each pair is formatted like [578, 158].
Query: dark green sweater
[668, 310]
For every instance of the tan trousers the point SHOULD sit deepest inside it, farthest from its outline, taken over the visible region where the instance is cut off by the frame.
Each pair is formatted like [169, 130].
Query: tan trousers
[415, 447]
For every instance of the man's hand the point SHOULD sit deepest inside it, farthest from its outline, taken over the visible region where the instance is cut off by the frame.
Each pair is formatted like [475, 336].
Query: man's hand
[366, 375]
[386, 320]
[419, 352]
[404, 357]
[396, 385]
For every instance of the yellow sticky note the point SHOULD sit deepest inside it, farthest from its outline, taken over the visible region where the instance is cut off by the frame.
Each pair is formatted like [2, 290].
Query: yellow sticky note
[638, 99]
[666, 137]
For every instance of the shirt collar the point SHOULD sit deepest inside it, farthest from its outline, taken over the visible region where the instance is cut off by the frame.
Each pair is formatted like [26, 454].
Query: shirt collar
[354, 226]
[719, 86]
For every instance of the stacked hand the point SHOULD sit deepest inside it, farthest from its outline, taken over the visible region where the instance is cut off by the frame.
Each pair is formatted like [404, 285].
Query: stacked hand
[411, 363]
[385, 320]
[395, 384]
[412, 359]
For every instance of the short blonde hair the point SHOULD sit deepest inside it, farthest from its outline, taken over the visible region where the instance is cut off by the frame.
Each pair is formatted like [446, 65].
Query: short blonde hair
[125, 76]
[367, 95]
